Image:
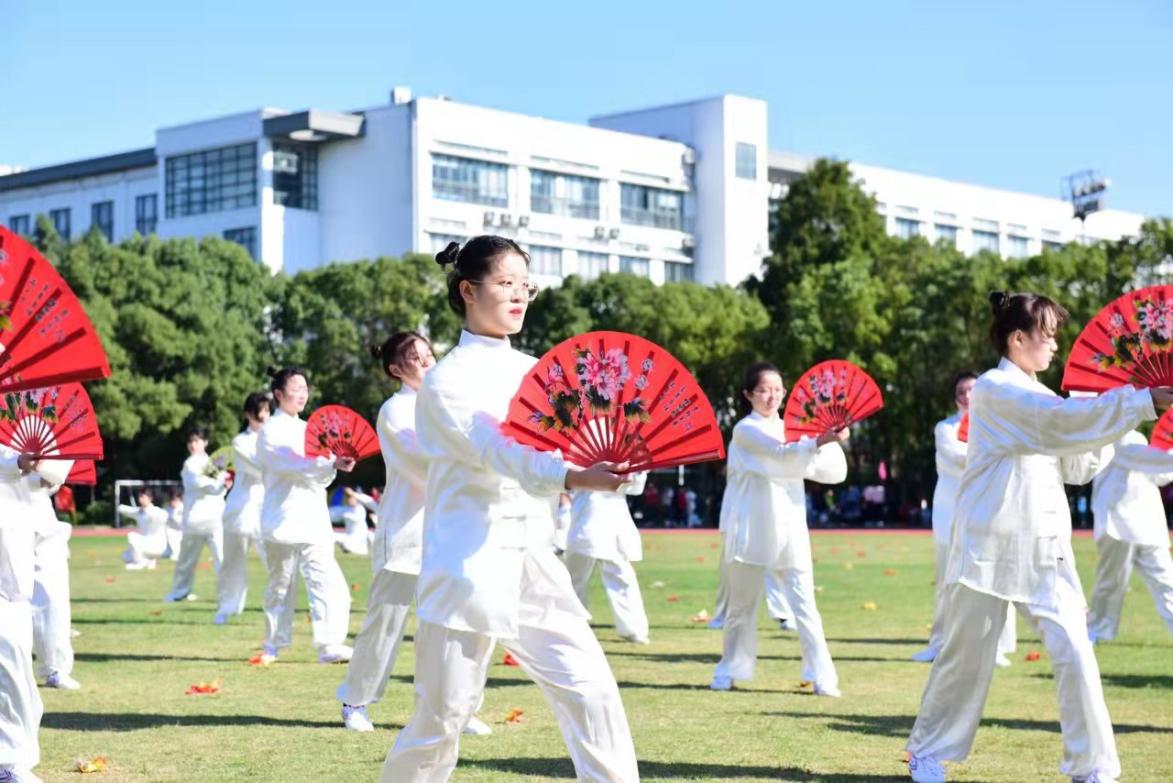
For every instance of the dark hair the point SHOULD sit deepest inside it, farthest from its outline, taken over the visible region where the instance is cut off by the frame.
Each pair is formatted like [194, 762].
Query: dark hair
[394, 347]
[1024, 311]
[472, 262]
[145, 491]
[753, 376]
[255, 402]
[964, 375]
[278, 378]
[197, 431]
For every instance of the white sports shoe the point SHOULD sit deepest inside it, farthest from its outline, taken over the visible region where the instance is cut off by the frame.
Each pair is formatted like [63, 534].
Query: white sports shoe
[721, 683]
[141, 565]
[476, 727]
[927, 655]
[1095, 777]
[716, 624]
[786, 624]
[1002, 660]
[355, 718]
[634, 639]
[925, 770]
[335, 654]
[823, 690]
[62, 681]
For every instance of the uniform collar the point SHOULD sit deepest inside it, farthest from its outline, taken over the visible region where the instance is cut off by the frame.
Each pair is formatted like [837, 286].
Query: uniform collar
[469, 340]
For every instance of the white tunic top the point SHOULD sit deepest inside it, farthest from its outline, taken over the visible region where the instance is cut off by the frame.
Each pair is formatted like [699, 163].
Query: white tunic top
[950, 465]
[1012, 527]
[17, 533]
[294, 510]
[203, 496]
[242, 511]
[486, 527]
[150, 521]
[399, 532]
[601, 525]
[52, 535]
[763, 512]
[1126, 503]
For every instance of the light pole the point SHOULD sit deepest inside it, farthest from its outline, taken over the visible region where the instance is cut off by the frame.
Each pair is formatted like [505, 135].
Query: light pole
[1085, 191]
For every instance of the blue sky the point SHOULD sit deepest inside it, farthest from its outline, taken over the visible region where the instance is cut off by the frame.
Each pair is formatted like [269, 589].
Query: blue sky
[1007, 94]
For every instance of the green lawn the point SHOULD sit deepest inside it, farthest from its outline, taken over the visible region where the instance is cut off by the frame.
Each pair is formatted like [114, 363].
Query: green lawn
[137, 656]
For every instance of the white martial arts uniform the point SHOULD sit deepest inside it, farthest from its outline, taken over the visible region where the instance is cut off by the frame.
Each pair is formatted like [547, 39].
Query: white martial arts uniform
[174, 529]
[20, 703]
[489, 576]
[775, 596]
[603, 533]
[148, 540]
[295, 525]
[561, 524]
[1130, 530]
[241, 525]
[950, 465]
[1012, 544]
[52, 643]
[356, 538]
[203, 513]
[395, 556]
[764, 517]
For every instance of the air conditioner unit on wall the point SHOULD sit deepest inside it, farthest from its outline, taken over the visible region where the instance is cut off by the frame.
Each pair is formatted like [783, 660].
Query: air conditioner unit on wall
[506, 219]
[614, 233]
[687, 243]
[523, 220]
[600, 232]
[490, 216]
[688, 158]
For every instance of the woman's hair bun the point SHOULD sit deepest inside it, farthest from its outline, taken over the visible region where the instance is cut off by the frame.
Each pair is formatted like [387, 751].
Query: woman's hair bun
[271, 371]
[998, 300]
[376, 351]
[448, 255]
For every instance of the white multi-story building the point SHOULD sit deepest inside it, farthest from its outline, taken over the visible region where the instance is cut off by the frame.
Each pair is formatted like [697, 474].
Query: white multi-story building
[678, 192]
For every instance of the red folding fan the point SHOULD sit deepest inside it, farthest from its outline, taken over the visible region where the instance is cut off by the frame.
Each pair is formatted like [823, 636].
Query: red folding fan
[336, 429]
[615, 397]
[830, 396]
[1163, 432]
[84, 472]
[56, 422]
[45, 335]
[963, 429]
[1128, 342]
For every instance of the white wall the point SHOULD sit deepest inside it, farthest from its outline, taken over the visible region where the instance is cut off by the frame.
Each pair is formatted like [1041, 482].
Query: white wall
[80, 195]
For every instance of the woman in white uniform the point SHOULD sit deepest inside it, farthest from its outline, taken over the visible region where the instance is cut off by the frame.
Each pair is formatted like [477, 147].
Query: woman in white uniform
[295, 526]
[488, 574]
[950, 464]
[20, 707]
[148, 541]
[203, 510]
[1130, 531]
[1012, 544]
[763, 514]
[242, 512]
[602, 533]
[356, 538]
[52, 617]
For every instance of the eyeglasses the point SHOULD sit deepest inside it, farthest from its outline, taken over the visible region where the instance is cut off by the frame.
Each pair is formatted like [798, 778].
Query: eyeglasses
[507, 288]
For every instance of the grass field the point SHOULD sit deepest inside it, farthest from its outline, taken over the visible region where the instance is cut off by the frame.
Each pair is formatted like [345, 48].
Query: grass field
[136, 658]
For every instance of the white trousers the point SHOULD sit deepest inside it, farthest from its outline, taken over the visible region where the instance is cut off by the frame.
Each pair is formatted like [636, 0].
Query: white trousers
[51, 614]
[621, 586]
[377, 645]
[741, 624]
[329, 594]
[140, 548]
[1007, 641]
[1113, 570]
[776, 603]
[190, 550]
[232, 580]
[20, 704]
[562, 657]
[955, 693]
[174, 541]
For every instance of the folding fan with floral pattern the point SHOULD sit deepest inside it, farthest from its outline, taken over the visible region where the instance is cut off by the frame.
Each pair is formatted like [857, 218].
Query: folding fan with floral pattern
[1162, 437]
[830, 396]
[56, 422]
[1129, 342]
[336, 429]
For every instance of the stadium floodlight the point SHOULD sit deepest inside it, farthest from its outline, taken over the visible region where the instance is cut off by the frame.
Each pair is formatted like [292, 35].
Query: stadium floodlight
[1084, 190]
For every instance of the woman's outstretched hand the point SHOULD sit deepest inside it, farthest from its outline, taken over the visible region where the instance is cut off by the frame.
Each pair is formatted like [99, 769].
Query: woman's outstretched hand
[600, 477]
[1162, 397]
[834, 436]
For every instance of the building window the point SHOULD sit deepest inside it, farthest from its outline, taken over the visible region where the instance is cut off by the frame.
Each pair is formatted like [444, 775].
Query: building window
[545, 260]
[591, 265]
[211, 180]
[61, 223]
[102, 218]
[644, 206]
[564, 194]
[245, 237]
[746, 161]
[676, 272]
[1017, 247]
[19, 224]
[946, 234]
[634, 266]
[1054, 247]
[473, 181]
[907, 229]
[146, 213]
[295, 176]
[985, 240]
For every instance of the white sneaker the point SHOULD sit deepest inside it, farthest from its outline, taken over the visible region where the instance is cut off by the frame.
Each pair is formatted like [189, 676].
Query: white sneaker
[268, 655]
[355, 718]
[62, 681]
[74, 633]
[927, 655]
[476, 727]
[716, 624]
[139, 566]
[1002, 660]
[786, 624]
[634, 639]
[925, 770]
[826, 690]
[721, 683]
[152, 565]
[220, 619]
[335, 654]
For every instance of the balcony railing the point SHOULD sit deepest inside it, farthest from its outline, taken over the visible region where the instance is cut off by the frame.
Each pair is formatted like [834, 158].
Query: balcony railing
[550, 205]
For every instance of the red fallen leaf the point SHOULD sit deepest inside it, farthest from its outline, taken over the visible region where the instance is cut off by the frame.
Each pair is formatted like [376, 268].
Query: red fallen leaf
[259, 660]
[355, 587]
[96, 764]
[205, 566]
[1033, 655]
[712, 546]
[889, 572]
[155, 612]
[509, 660]
[203, 688]
[514, 716]
[673, 598]
[861, 554]
[700, 558]
[111, 580]
[834, 550]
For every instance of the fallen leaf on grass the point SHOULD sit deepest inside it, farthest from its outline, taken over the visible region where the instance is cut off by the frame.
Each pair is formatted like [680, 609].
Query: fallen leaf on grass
[355, 587]
[658, 584]
[203, 688]
[861, 554]
[712, 546]
[509, 660]
[96, 764]
[1033, 655]
[701, 617]
[834, 550]
[259, 660]
[700, 558]
[818, 588]
[514, 716]
[673, 598]
[111, 580]
[155, 613]
[890, 572]
[868, 606]
[205, 566]
[849, 566]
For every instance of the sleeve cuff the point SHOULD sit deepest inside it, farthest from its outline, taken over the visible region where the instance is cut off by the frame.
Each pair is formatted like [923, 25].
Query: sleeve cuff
[1142, 404]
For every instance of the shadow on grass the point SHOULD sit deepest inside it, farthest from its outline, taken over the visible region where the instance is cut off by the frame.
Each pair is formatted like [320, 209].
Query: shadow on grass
[713, 657]
[1138, 680]
[562, 769]
[922, 641]
[120, 721]
[901, 725]
[100, 657]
